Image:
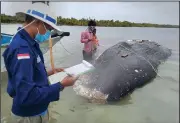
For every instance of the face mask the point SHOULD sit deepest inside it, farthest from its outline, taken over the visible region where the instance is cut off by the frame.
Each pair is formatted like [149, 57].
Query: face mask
[41, 38]
[91, 28]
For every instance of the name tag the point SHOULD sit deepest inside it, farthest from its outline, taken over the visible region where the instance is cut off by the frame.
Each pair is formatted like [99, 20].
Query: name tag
[38, 59]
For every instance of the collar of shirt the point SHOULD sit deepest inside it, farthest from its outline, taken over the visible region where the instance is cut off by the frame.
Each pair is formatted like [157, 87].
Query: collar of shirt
[31, 41]
[26, 35]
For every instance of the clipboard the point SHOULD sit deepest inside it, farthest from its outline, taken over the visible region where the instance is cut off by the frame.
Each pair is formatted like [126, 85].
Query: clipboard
[75, 70]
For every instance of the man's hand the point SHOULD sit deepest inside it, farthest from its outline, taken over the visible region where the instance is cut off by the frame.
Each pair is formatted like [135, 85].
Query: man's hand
[69, 81]
[56, 70]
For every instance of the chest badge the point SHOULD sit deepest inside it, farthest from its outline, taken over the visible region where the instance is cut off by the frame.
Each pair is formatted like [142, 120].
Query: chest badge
[38, 59]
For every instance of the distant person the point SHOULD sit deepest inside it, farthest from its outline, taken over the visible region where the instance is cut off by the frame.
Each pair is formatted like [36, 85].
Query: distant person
[87, 39]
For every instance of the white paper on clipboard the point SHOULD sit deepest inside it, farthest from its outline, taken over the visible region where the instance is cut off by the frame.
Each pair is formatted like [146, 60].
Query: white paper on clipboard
[79, 69]
[58, 77]
[76, 70]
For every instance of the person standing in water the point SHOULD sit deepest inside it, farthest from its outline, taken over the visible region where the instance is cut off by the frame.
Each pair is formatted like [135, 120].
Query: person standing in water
[87, 39]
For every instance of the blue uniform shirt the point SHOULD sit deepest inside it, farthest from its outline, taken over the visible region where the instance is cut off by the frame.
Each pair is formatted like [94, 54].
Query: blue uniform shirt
[27, 77]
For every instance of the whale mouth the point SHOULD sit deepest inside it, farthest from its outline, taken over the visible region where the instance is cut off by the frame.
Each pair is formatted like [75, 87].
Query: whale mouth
[92, 95]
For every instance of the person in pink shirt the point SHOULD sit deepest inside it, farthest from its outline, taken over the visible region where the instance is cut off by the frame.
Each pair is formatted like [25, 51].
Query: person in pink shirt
[87, 39]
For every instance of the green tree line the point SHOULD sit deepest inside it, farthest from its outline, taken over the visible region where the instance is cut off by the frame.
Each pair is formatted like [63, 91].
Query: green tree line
[84, 22]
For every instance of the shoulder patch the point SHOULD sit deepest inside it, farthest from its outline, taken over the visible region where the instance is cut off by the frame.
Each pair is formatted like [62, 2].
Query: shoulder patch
[23, 56]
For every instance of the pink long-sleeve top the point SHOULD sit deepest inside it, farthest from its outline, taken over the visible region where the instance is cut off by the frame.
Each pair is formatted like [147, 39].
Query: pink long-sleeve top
[88, 45]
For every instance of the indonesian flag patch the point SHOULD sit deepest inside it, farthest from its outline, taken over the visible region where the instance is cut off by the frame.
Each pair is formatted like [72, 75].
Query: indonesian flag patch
[23, 56]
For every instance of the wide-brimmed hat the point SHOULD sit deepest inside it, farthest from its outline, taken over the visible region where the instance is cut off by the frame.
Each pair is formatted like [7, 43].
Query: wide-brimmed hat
[42, 12]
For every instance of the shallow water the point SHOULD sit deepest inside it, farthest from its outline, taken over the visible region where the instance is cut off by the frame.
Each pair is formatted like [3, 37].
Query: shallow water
[156, 102]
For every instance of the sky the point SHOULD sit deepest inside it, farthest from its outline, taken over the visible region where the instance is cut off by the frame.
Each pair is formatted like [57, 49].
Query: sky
[148, 12]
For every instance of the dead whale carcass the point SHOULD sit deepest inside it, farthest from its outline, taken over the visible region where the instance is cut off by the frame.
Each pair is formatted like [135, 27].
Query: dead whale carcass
[121, 69]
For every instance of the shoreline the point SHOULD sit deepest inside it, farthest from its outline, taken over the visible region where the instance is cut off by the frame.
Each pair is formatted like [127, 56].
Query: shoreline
[61, 21]
[101, 26]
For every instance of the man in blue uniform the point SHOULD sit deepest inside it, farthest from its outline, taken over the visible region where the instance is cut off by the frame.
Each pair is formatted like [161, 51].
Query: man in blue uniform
[27, 76]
